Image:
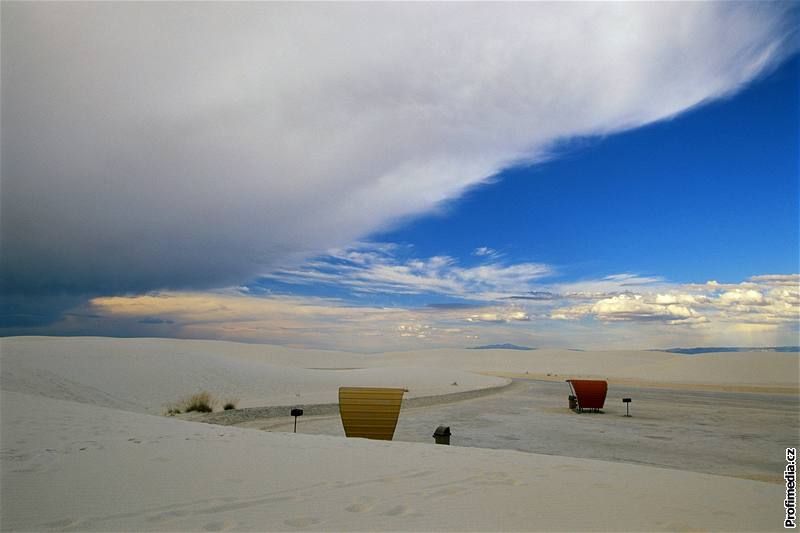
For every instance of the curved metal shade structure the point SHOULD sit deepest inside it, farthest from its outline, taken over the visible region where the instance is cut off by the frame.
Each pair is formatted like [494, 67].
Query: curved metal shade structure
[590, 393]
[370, 412]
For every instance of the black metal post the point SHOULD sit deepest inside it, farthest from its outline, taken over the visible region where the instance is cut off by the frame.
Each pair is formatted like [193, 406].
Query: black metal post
[295, 413]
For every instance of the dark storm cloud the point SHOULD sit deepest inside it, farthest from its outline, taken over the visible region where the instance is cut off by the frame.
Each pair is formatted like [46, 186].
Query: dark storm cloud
[195, 145]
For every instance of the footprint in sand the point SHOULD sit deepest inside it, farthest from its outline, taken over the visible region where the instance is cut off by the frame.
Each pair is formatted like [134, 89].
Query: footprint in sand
[167, 515]
[225, 525]
[569, 468]
[69, 524]
[61, 524]
[358, 508]
[398, 510]
[447, 491]
[301, 521]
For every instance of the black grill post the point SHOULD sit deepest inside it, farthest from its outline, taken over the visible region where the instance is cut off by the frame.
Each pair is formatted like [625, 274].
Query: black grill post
[295, 413]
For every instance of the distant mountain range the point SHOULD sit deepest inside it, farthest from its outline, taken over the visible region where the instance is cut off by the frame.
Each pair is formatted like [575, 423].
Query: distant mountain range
[710, 349]
[686, 351]
[505, 346]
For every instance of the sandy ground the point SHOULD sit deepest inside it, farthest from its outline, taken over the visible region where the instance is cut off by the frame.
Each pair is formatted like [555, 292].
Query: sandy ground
[730, 434]
[83, 447]
[737, 370]
[146, 375]
[76, 467]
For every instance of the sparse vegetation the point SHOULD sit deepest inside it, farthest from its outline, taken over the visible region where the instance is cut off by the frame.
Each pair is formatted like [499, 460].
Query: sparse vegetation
[230, 404]
[202, 402]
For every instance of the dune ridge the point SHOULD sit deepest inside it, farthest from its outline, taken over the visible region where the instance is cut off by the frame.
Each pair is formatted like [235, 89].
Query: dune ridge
[84, 449]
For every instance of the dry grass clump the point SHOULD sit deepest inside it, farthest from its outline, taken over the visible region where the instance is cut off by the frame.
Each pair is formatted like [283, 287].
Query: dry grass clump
[230, 404]
[202, 402]
[172, 410]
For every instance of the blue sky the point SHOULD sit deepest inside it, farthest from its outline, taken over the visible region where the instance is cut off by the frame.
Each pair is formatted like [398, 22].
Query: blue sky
[404, 176]
[710, 194]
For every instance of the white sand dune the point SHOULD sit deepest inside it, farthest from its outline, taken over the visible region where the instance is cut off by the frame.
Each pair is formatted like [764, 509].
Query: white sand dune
[769, 369]
[71, 466]
[82, 449]
[146, 374]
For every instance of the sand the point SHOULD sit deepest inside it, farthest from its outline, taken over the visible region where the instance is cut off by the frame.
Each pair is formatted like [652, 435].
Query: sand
[71, 466]
[728, 434]
[146, 375]
[766, 370]
[84, 448]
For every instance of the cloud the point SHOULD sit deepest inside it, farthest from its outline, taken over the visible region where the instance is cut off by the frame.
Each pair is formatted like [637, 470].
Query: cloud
[155, 321]
[791, 280]
[198, 145]
[633, 308]
[536, 295]
[505, 317]
[770, 299]
[485, 251]
[295, 321]
[487, 303]
[742, 297]
[454, 305]
[379, 268]
[664, 315]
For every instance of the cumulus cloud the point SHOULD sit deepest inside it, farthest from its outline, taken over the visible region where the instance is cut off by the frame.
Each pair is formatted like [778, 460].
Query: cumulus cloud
[742, 297]
[633, 307]
[174, 145]
[770, 299]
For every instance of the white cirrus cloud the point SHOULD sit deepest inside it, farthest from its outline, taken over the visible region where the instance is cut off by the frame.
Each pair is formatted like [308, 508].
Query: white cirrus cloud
[378, 268]
[485, 251]
[168, 145]
[500, 317]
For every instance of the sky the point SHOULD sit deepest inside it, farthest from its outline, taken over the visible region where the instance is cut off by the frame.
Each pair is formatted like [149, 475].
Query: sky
[377, 177]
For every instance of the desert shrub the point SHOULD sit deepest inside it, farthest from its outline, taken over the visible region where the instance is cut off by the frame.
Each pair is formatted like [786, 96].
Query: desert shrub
[202, 402]
[230, 404]
[172, 410]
